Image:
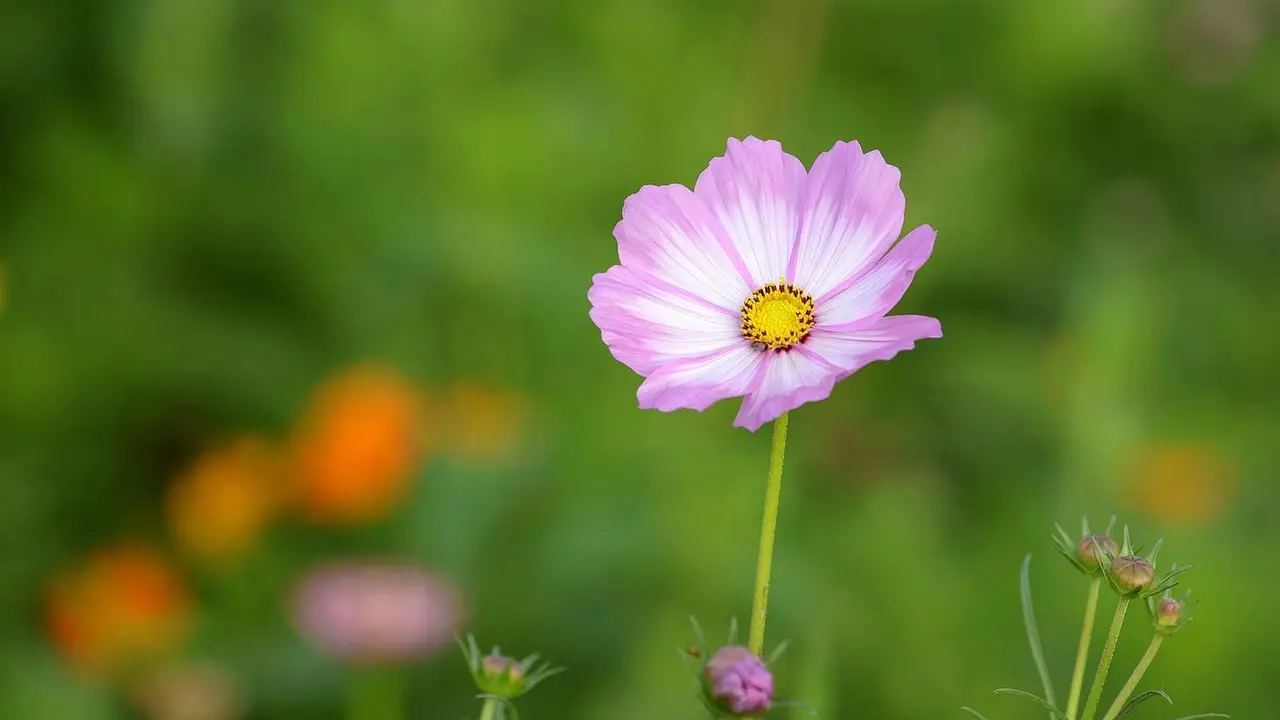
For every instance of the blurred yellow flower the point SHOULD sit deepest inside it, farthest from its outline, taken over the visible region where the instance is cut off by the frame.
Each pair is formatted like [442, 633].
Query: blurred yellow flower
[219, 507]
[125, 604]
[1183, 482]
[482, 425]
[357, 446]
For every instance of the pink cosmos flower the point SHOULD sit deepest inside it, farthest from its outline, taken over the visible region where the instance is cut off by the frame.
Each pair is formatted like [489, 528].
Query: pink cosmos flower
[375, 612]
[764, 281]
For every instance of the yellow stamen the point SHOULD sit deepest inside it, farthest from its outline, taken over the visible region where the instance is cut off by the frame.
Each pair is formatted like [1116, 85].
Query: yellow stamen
[777, 315]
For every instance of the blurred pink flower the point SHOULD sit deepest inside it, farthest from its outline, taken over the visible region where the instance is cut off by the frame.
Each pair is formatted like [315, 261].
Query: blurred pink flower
[764, 282]
[371, 612]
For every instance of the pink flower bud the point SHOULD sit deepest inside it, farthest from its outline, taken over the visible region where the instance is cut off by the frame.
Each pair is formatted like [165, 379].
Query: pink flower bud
[739, 682]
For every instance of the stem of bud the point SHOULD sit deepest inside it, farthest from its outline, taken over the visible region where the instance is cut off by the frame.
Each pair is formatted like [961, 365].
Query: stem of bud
[1082, 653]
[1104, 663]
[490, 709]
[1135, 678]
[768, 529]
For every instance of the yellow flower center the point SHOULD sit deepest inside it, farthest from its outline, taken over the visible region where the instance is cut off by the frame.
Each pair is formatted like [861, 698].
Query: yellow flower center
[777, 315]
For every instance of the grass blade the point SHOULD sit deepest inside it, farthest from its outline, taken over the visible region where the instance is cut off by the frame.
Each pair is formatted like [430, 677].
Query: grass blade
[1033, 633]
[1053, 711]
[1140, 698]
[1203, 716]
[974, 713]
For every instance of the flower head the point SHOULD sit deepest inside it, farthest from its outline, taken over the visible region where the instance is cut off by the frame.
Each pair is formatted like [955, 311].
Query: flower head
[1134, 576]
[1169, 614]
[1184, 482]
[501, 676]
[375, 612]
[357, 446]
[764, 282]
[1093, 552]
[738, 682]
[125, 604]
[190, 692]
[485, 424]
[219, 506]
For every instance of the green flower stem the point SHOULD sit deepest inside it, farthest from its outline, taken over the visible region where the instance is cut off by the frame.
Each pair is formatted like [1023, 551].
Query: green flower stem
[375, 693]
[1082, 654]
[1104, 663]
[768, 529]
[490, 709]
[1135, 678]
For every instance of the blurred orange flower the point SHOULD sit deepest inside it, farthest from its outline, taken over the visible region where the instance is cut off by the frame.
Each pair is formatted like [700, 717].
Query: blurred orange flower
[357, 446]
[482, 425]
[125, 604]
[218, 508]
[1183, 482]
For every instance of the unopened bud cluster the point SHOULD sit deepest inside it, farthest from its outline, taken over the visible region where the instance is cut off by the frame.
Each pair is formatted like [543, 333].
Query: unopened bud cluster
[500, 676]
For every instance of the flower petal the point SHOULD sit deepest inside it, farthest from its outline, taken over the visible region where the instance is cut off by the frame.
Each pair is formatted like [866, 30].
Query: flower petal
[669, 233]
[852, 212]
[861, 299]
[697, 383]
[886, 337]
[785, 381]
[647, 322]
[754, 191]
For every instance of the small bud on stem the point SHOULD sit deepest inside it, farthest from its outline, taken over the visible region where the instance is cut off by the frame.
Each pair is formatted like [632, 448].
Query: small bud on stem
[1132, 574]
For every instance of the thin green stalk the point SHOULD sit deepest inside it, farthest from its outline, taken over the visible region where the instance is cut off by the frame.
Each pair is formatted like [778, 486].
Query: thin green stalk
[1082, 654]
[1104, 663]
[490, 709]
[375, 693]
[1135, 678]
[768, 530]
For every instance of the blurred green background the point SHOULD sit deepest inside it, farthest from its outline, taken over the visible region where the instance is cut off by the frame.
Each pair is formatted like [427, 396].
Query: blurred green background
[211, 208]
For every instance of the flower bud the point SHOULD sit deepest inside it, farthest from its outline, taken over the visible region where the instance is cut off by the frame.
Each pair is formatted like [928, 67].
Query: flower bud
[1168, 612]
[1093, 549]
[501, 676]
[1132, 574]
[738, 682]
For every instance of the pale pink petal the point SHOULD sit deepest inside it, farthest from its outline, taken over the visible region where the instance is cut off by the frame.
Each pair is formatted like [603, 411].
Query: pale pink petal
[852, 212]
[881, 340]
[697, 383]
[647, 322]
[784, 382]
[754, 191]
[669, 233]
[863, 298]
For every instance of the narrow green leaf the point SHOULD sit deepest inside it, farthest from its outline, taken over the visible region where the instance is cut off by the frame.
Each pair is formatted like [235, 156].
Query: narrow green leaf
[697, 633]
[777, 652]
[1033, 633]
[1140, 698]
[1202, 716]
[974, 713]
[1053, 711]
